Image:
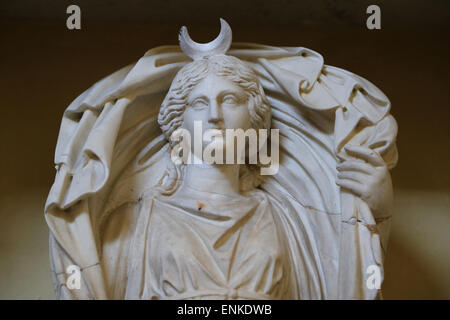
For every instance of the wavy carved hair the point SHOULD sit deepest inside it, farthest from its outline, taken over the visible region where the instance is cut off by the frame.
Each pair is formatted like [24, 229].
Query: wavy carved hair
[171, 112]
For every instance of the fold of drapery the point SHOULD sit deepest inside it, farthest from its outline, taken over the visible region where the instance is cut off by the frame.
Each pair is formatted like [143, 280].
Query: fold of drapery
[111, 123]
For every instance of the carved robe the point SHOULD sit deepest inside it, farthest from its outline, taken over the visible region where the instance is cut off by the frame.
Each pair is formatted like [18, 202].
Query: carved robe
[111, 153]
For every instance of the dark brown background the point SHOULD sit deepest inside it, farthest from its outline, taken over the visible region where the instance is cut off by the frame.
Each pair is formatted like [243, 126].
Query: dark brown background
[44, 66]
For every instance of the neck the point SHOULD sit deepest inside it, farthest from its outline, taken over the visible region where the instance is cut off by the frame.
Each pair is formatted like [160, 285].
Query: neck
[222, 179]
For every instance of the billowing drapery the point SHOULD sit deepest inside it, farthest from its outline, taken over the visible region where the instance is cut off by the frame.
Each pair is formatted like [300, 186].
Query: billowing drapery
[110, 132]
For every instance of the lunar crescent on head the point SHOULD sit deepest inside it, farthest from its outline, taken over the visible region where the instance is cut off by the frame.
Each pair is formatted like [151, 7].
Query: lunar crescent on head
[195, 50]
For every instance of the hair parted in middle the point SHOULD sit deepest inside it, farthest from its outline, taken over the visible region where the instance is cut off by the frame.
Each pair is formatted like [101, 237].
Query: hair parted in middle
[171, 112]
[170, 115]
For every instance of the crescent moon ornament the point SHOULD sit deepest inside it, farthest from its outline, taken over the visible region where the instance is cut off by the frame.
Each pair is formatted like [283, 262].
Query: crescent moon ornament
[195, 50]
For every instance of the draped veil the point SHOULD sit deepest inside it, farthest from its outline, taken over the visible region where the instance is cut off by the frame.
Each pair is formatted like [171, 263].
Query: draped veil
[110, 133]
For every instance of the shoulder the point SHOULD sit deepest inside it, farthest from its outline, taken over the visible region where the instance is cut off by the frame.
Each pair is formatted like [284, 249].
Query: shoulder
[137, 181]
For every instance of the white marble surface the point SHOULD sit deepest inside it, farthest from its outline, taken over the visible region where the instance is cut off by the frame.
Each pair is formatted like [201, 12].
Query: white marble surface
[329, 204]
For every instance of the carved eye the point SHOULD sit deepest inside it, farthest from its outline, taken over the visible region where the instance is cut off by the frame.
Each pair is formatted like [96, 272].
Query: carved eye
[229, 99]
[199, 104]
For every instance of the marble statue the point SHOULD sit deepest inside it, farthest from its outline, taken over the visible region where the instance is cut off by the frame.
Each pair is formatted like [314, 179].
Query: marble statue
[142, 226]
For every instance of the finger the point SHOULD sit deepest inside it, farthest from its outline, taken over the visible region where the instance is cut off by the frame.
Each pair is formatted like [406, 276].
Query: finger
[351, 175]
[366, 154]
[355, 165]
[351, 185]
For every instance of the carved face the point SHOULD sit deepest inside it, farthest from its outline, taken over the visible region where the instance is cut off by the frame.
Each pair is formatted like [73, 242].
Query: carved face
[220, 92]
[219, 104]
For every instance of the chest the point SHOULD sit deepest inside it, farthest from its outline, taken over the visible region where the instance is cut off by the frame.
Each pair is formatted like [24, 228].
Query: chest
[188, 251]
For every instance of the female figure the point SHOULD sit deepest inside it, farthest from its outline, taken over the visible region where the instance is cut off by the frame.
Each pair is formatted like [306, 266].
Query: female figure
[143, 227]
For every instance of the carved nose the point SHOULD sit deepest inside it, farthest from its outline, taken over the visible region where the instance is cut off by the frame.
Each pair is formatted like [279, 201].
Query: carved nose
[215, 115]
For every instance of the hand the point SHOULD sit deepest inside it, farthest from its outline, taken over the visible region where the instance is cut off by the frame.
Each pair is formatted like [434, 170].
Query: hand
[367, 176]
